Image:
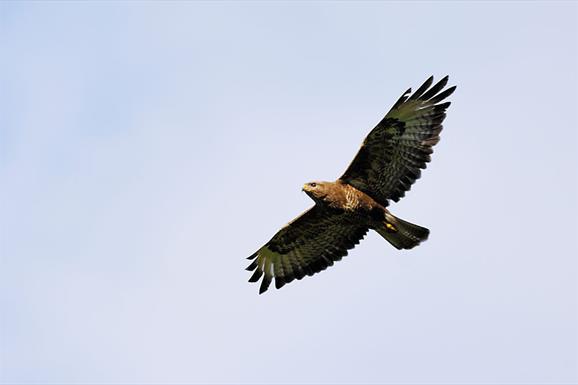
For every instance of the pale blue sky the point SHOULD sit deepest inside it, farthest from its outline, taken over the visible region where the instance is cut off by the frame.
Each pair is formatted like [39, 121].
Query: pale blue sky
[147, 148]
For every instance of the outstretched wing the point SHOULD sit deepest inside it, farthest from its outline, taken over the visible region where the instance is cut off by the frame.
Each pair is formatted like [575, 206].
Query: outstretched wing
[305, 246]
[393, 154]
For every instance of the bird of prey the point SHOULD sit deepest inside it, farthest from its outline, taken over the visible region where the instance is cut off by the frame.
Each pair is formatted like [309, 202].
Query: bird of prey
[387, 164]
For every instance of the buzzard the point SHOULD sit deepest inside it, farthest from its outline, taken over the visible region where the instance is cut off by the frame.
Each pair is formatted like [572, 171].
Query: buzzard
[387, 164]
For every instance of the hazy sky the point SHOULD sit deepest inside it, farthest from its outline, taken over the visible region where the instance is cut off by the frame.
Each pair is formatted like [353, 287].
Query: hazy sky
[146, 149]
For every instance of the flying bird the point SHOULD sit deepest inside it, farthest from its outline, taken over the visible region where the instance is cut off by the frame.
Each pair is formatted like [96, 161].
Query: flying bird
[389, 161]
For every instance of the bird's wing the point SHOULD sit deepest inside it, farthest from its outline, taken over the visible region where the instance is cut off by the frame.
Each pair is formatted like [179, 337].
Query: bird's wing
[305, 246]
[393, 154]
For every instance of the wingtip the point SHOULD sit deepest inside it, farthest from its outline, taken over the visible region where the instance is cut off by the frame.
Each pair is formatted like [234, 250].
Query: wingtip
[279, 282]
[252, 266]
[256, 275]
[442, 95]
[443, 82]
[265, 283]
[422, 89]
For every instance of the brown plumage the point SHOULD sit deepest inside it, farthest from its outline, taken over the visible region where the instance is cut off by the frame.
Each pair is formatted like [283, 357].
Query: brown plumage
[387, 164]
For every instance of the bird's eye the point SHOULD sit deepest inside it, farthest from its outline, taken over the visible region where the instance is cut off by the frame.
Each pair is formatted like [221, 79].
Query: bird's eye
[313, 184]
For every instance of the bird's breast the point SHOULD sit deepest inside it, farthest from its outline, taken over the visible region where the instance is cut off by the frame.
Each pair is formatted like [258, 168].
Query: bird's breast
[352, 200]
[360, 200]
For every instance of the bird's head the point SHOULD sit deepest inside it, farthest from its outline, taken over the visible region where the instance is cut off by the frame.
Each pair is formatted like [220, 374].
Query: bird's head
[316, 190]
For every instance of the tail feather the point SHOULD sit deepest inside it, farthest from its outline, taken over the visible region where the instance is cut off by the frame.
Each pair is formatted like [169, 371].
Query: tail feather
[402, 234]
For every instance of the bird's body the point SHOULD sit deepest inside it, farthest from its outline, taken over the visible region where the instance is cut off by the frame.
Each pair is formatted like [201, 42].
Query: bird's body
[388, 162]
[342, 197]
